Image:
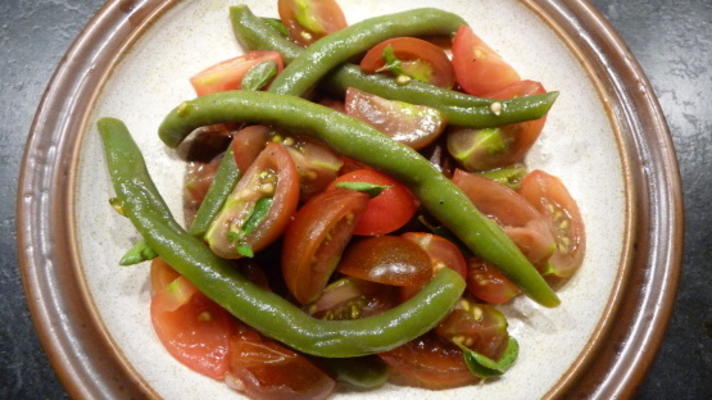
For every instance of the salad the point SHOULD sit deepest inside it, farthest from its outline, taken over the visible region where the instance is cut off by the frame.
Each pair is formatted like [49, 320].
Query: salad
[354, 223]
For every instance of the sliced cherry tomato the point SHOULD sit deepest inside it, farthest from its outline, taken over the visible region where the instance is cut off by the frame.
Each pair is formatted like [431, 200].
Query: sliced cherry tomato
[521, 221]
[310, 20]
[416, 58]
[161, 274]
[316, 238]
[350, 165]
[266, 370]
[388, 211]
[350, 298]
[442, 252]
[271, 176]
[227, 75]
[390, 260]
[248, 143]
[479, 327]
[336, 105]
[198, 178]
[428, 362]
[196, 333]
[416, 126]
[478, 68]
[549, 195]
[206, 143]
[488, 284]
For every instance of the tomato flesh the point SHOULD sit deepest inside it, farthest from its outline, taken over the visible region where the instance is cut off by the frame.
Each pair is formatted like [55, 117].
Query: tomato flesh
[227, 75]
[350, 298]
[488, 284]
[479, 327]
[478, 68]
[416, 126]
[388, 211]
[315, 239]
[161, 274]
[310, 20]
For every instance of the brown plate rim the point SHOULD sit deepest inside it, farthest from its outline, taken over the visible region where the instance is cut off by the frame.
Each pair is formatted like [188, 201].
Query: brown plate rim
[57, 296]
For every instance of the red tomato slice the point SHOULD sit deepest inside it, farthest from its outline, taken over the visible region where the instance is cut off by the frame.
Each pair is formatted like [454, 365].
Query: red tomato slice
[266, 370]
[310, 20]
[227, 75]
[521, 221]
[416, 126]
[272, 174]
[248, 143]
[161, 274]
[388, 211]
[488, 284]
[390, 260]
[478, 68]
[421, 60]
[479, 327]
[350, 298]
[428, 362]
[196, 334]
[549, 195]
[443, 254]
[316, 238]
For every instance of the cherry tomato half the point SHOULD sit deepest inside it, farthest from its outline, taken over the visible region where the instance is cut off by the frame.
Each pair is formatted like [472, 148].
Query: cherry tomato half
[478, 68]
[420, 60]
[479, 327]
[310, 20]
[549, 195]
[227, 75]
[485, 282]
[350, 298]
[388, 211]
[316, 238]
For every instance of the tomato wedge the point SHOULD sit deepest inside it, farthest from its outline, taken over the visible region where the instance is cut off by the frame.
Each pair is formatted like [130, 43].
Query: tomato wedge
[411, 57]
[428, 362]
[479, 327]
[416, 126]
[478, 68]
[549, 195]
[161, 274]
[310, 20]
[227, 75]
[488, 284]
[390, 260]
[242, 227]
[388, 211]
[443, 254]
[350, 298]
[521, 221]
[316, 238]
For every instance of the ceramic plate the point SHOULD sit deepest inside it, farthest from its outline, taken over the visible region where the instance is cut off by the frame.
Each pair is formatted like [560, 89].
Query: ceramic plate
[605, 138]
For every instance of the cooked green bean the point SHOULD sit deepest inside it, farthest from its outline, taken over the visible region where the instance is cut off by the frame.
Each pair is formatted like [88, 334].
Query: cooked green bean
[225, 180]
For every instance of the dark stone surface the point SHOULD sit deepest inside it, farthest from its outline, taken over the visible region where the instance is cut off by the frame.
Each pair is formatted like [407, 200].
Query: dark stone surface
[671, 38]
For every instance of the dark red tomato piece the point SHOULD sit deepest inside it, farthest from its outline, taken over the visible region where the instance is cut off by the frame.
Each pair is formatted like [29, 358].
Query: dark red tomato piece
[549, 195]
[350, 298]
[416, 126]
[480, 327]
[253, 272]
[228, 74]
[310, 20]
[350, 165]
[390, 260]
[336, 105]
[521, 221]
[198, 178]
[266, 370]
[419, 59]
[248, 143]
[272, 175]
[316, 238]
[485, 282]
[443, 254]
[478, 68]
[195, 333]
[388, 211]
[428, 362]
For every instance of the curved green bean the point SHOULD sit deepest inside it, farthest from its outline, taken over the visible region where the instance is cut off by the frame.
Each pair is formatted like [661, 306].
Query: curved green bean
[225, 180]
[360, 141]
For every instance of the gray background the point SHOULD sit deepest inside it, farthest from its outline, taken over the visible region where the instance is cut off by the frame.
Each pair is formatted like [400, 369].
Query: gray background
[672, 40]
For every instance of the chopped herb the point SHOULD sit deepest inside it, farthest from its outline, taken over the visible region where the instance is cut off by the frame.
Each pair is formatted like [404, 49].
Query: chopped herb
[254, 220]
[371, 189]
[392, 63]
[259, 76]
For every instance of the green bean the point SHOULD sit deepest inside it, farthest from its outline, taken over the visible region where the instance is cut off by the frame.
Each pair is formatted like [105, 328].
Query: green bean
[263, 310]
[225, 180]
[330, 51]
[360, 141]
[277, 25]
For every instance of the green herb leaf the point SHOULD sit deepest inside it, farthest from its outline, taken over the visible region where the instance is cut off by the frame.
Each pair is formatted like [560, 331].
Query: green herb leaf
[245, 250]
[259, 76]
[277, 25]
[510, 176]
[371, 189]
[139, 253]
[393, 64]
[118, 205]
[362, 372]
[254, 220]
[485, 367]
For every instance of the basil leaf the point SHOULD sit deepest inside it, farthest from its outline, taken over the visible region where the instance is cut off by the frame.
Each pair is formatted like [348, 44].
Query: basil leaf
[254, 220]
[510, 177]
[485, 367]
[139, 253]
[259, 76]
[392, 63]
[371, 189]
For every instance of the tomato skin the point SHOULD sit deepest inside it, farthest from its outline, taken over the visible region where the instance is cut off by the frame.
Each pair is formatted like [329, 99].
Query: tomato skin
[325, 16]
[161, 274]
[410, 49]
[248, 143]
[390, 260]
[549, 195]
[315, 239]
[478, 68]
[428, 362]
[228, 74]
[442, 253]
[480, 327]
[388, 211]
[486, 283]
[351, 298]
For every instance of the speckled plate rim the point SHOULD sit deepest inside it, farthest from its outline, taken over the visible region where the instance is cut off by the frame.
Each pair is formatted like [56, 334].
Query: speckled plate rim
[59, 301]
